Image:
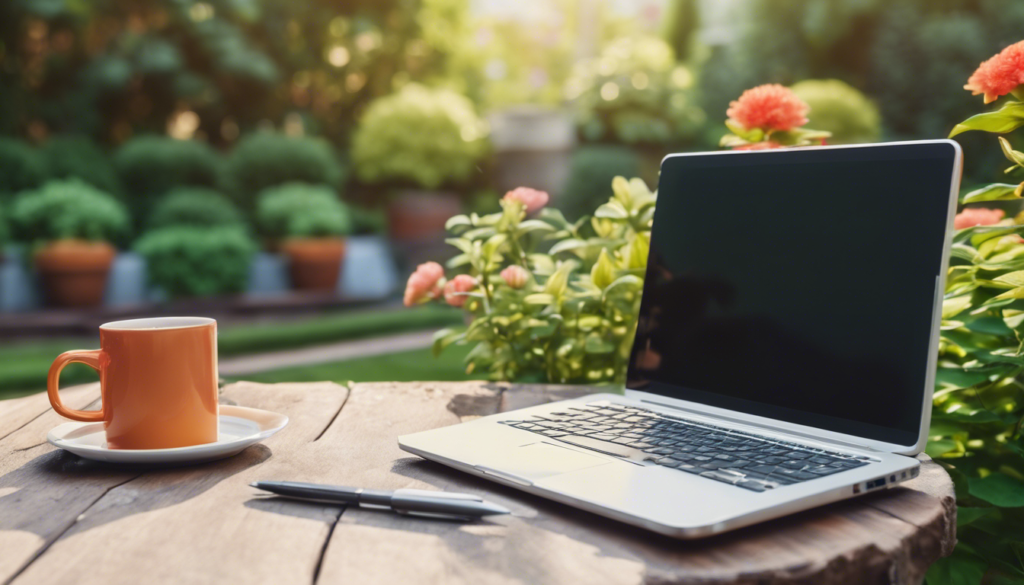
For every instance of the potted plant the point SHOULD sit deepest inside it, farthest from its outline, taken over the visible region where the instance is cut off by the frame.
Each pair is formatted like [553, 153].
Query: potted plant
[308, 223]
[419, 140]
[188, 260]
[71, 226]
[267, 159]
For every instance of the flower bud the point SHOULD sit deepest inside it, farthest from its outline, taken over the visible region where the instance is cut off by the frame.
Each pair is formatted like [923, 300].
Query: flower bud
[456, 289]
[515, 276]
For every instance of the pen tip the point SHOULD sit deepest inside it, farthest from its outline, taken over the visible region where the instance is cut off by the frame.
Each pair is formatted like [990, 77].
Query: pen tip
[255, 484]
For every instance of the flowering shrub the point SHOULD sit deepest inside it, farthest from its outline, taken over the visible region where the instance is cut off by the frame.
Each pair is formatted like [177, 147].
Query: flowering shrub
[550, 300]
[979, 405]
[769, 116]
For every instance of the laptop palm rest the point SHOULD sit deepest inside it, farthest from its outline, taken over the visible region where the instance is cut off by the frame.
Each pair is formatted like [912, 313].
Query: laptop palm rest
[538, 460]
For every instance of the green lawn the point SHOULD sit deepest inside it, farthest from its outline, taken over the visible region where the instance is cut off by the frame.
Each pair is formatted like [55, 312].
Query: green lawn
[23, 366]
[406, 366]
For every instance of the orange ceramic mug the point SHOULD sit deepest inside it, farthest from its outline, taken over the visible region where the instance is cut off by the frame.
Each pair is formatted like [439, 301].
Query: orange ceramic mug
[158, 382]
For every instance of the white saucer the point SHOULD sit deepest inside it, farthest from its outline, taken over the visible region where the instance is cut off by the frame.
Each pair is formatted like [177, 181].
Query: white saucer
[239, 428]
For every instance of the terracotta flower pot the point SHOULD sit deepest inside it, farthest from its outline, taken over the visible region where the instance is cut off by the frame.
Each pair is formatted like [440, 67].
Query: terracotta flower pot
[74, 272]
[417, 215]
[315, 263]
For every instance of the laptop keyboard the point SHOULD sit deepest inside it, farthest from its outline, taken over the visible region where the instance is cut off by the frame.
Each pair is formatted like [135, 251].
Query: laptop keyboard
[727, 455]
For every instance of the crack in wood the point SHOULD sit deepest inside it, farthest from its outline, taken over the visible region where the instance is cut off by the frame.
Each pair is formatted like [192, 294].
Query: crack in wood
[348, 395]
[46, 545]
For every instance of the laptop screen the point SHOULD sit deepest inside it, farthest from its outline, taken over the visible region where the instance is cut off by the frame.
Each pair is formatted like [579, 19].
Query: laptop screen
[798, 284]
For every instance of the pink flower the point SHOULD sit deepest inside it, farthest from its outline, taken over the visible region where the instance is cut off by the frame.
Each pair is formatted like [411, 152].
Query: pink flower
[977, 216]
[766, 145]
[515, 276]
[423, 283]
[769, 107]
[531, 198]
[454, 291]
[999, 75]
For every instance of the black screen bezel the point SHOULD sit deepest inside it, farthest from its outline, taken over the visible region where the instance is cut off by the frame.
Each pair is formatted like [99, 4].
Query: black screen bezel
[671, 169]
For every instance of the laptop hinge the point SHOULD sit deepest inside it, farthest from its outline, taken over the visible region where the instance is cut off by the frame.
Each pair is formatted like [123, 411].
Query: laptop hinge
[763, 426]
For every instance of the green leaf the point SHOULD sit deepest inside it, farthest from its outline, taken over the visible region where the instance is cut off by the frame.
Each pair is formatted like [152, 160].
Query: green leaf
[993, 192]
[533, 225]
[960, 568]
[567, 245]
[603, 272]
[1006, 119]
[444, 338]
[965, 253]
[1011, 155]
[597, 344]
[955, 306]
[965, 516]
[611, 210]
[939, 447]
[1016, 279]
[999, 490]
[539, 299]
[977, 417]
[457, 221]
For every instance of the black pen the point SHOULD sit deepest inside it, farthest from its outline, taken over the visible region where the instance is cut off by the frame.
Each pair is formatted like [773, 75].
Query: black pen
[428, 504]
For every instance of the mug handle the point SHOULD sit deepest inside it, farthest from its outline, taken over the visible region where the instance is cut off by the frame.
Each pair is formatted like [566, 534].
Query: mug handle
[89, 357]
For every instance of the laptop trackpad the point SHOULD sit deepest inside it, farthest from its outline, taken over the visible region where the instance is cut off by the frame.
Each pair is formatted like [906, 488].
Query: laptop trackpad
[540, 460]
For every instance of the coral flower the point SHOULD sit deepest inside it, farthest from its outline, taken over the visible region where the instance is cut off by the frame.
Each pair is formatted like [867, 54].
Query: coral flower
[977, 216]
[423, 283]
[999, 75]
[454, 291]
[769, 107]
[766, 145]
[531, 198]
[515, 276]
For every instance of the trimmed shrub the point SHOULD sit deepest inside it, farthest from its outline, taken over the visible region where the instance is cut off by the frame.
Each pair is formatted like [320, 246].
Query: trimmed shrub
[368, 221]
[839, 108]
[188, 261]
[150, 166]
[194, 206]
[70, 209]
[590, 177]
[21, 167]
[297, 210]
[267, 159]
[78, 157]
[427, 137]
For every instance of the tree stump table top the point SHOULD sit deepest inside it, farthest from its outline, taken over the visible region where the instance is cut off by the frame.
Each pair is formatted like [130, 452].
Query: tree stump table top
[68, 520]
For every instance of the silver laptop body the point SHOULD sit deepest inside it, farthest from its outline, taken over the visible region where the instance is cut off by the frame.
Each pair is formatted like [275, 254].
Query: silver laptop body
[569, 451]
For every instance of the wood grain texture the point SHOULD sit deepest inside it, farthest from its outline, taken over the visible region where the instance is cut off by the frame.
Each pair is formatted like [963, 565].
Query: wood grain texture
[65, 520]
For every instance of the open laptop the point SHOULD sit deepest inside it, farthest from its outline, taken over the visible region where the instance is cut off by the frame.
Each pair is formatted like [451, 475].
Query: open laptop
[785, 349]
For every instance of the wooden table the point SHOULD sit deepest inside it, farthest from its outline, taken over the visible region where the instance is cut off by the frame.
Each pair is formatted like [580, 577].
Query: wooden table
[68, 520]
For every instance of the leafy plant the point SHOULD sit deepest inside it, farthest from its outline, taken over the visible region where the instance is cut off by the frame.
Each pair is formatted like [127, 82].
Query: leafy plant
[634, 92]
[428, 137]
[79, 157]
[4, 234]
[267, 159]
[297, 210]
[979, 403]
[840, 109]
[71, 209]
[194, 206]
[150, 166]
[550, 300]
[21, 167]
[590, 176]
[190, 261]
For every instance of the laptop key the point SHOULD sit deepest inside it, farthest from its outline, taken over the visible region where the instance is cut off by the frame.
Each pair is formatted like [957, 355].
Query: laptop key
[667, 462]
[602, 446]
[754, 486]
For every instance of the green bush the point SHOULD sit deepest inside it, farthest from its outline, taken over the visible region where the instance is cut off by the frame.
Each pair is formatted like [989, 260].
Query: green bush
[194, 206]
[190, 261]
[368, 221]
[4, 234]
[79, 157]
[590, 177]
[297, 210]
[634, 92]
[150, 166]
[839, 108]
[268, 159]
[21, 167]
[429, 137]
[68, 209]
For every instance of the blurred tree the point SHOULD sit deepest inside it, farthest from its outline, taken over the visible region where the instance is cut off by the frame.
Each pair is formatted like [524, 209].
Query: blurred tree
[208, 69]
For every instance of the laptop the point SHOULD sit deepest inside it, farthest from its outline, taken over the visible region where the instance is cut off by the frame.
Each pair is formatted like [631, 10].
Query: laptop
[785, 350]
